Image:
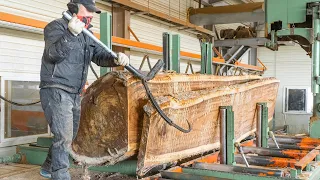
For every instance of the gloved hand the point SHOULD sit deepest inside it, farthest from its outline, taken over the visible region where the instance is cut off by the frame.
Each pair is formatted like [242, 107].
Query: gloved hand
[123, 60]
[75, 25]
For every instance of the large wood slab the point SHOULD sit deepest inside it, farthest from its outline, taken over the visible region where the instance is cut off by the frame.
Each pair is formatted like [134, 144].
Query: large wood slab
[161, 143]
[112, 112]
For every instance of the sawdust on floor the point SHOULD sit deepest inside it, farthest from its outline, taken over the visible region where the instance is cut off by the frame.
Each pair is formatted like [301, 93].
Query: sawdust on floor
[30, 172]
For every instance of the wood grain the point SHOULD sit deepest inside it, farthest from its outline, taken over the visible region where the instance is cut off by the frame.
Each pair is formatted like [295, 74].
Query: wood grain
[112, 112]
[161, 143]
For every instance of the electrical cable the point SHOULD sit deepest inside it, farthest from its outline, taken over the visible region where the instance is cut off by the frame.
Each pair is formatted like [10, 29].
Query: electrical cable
[18, 104]
[34, 103]
[94, 72]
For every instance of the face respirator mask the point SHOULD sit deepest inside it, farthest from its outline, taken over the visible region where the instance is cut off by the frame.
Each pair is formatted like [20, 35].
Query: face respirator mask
[74, 9]
[86, 20]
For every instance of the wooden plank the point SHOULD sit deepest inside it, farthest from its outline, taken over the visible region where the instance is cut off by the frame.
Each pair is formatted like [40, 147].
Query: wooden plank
[239, 8]
[302, 163]
[112, 111]
[7, 170]
[163, 16]
[161, 143]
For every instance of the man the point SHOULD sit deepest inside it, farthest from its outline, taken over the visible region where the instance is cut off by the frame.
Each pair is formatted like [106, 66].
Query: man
[67, 55]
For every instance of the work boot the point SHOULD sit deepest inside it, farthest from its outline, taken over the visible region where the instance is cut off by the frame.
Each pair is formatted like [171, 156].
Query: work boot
[44, 173]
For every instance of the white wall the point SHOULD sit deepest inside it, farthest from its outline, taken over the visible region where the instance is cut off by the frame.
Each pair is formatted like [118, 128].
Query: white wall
[150, 31]
[173, 8]
[44, 10]
[292, 67]
[21, 52]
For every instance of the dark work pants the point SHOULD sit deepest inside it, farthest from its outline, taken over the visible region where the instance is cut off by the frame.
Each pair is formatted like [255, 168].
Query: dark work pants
[62, 111]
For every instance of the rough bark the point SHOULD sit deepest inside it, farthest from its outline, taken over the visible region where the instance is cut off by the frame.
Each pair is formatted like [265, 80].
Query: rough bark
[161, 143]
[112, 112]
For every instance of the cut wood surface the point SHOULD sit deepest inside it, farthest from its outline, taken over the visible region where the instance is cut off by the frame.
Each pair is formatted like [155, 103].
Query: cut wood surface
[161, 143]
[112, 112]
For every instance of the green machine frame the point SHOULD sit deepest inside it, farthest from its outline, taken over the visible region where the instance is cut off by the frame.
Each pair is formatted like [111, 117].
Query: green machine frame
[171, 52]
[106, 36]
[227, 135]
[206, 58]
[289, 18]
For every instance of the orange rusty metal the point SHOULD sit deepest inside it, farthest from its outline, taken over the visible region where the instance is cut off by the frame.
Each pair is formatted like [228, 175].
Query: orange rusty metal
[270, 173]
[282, 162]
[249, 143]
[210, 159]
[296, 154]
[306, 146]
[177, 170]
[262, 174]
[310, 141]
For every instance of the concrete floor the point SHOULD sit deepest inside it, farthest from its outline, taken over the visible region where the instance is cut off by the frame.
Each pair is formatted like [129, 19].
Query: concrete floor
[19, 172]
[31, 172]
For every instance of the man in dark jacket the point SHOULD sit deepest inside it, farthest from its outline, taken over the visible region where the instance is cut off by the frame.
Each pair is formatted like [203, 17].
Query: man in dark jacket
[67, 55]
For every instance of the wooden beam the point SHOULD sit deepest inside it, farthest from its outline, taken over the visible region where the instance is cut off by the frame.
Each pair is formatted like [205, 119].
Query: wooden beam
[163, 16]
[249, 66]
[116, 40]
[120, 22]
[240, 8]
[22, 20]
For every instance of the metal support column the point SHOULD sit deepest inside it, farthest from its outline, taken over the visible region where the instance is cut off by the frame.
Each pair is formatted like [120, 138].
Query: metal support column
[175, 66]
[171, 52]
[226, 135]
[262, 125]
[315, 120]
[253, 56]
[206, 58]
[106, 36]
[166, 45]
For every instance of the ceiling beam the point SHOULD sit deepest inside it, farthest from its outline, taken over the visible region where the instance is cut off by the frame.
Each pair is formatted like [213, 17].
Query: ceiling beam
[204, 2]
[214, 1]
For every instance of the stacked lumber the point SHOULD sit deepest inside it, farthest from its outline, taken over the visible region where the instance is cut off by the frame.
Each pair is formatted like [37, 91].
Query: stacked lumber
[161, 143]
[112, 112]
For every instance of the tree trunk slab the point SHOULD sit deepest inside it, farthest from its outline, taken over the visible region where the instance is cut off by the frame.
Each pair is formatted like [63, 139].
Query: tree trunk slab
[162, 143]
[112, 112]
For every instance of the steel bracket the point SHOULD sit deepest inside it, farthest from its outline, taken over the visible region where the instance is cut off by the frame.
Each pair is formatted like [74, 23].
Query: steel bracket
[206, 58]
[171, 51]
[262, 125]
[318, 37]
[317, 80]
[106, 36]
[227, 138]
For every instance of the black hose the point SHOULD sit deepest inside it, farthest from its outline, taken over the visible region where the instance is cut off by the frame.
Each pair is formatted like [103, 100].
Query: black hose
[161, 113]
[18, 104]
[94, 72]
[34, 103]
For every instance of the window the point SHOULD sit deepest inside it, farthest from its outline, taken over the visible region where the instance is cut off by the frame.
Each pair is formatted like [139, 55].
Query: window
[297, 100]
[21, 124]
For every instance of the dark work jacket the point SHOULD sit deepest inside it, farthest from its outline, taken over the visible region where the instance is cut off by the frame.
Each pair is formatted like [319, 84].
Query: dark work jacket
[66, 58]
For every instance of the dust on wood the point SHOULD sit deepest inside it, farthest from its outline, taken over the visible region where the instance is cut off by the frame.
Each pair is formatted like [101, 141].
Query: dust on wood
[112, 112]
[161, 143]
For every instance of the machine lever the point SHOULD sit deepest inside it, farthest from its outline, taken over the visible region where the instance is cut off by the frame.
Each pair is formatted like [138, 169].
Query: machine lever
[271, 134]
[238, 146]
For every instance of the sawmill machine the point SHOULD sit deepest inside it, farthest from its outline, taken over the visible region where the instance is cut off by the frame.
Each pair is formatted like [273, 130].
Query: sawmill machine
[298, 21]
